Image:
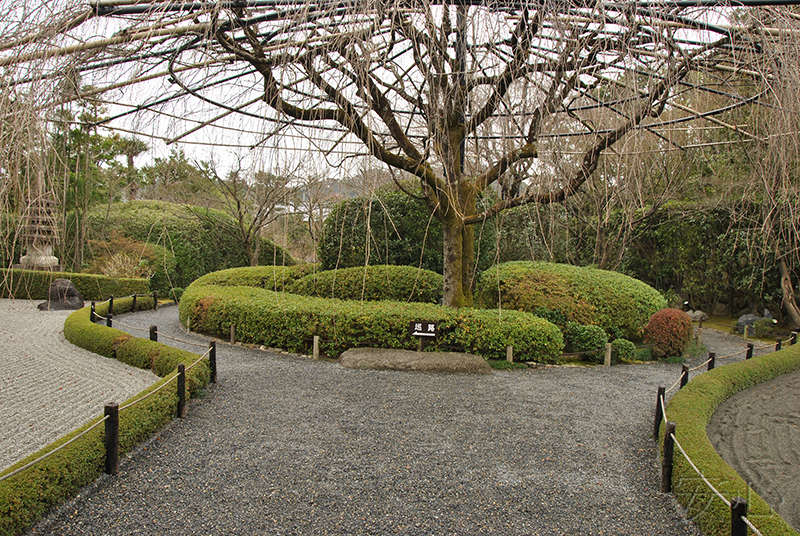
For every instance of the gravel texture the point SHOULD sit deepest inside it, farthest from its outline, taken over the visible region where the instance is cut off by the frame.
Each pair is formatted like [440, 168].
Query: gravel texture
[48, 387]
[287, 445]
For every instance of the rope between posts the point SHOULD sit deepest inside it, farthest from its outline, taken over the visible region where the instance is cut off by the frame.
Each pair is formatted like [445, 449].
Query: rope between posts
[162, 336]
[747, 522]
[674, 385]
[37, 460]
[701, 365]
[197, 360]
[118, 323]
[151, 393]
[718, 494]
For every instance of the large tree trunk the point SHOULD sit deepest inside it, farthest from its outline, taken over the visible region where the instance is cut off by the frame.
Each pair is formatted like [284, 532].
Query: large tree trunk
[788, 294]
[459, 254]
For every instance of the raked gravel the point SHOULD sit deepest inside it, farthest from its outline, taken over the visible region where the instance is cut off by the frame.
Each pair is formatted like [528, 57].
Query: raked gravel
[48, 387]
[284, 444]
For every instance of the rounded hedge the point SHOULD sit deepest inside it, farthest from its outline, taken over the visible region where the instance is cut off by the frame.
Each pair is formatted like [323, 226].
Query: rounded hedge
[562, 293]
[670, 330]
[622, 350]
[372, 283]
[283, 320]
[589, 340]
[200, 245]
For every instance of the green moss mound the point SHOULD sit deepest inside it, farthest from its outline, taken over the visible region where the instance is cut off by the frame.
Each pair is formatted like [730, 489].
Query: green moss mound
[283, 320]
[199, 246]
[373, 283]
[562, 293]
[691, 409]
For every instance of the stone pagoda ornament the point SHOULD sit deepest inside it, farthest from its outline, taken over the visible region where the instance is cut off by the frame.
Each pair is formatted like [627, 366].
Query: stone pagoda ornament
[40, 235]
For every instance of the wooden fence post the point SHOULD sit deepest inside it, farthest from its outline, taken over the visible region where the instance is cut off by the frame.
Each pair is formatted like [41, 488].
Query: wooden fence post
[155, 300]
[181, 390]
[212, 360]
[607, 357]
[92, 314]
[133, 306]
[154, 333]
[109, 319]
[112, 438]
[738, 510]
[749, 350]
[111, 305]
[666, 463]
[510, 354]
[684, 375]
[233, 333]
[793, 338]
[712, 360]
[778, 342]
[659, 413]
[315, 349]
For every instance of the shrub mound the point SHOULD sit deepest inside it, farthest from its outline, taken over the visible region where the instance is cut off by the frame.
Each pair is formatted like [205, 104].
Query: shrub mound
[372, 283]
[562, 293]
[589, 340]
[670, 330]
[28, 495]
[691, 409]
[199, 246]
[33, 284]
[622, 350]
[289, 321]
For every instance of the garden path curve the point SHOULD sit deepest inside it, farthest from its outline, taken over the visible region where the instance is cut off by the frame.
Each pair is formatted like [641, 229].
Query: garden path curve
[287, 445]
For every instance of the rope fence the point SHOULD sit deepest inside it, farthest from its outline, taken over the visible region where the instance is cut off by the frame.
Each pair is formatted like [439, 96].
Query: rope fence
[111, 410]
[738, 506]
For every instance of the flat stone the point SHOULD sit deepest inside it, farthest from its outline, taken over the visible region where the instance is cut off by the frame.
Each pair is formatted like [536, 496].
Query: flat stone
[407, 360]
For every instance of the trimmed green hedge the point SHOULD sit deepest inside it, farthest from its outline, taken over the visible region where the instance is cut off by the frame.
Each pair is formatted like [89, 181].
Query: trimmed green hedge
[27, 496]
[33, 284]
[562, 293]
[276, 278]
[289, 321]
[372, 283]
[691, 409]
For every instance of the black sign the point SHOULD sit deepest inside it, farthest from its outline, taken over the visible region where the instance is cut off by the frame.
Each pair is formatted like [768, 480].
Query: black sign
[423, 329]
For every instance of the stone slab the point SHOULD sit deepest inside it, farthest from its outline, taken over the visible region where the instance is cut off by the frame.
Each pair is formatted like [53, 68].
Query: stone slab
[409, 361]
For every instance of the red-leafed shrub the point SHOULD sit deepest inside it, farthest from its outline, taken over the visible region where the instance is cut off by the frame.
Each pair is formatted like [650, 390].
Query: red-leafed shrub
[670, 330]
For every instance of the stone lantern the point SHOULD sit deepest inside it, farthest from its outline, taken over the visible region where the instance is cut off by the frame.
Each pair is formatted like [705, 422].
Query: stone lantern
[40, 234]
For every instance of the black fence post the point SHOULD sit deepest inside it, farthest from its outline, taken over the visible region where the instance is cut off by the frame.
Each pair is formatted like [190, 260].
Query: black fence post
[109, 319]
[111, 305]
[793, 338]
[712, 360]
[112, 438]
[155, 300]
[738, 511]
[684, 375]
[778, 342]
[659, 412]
[181, 390]
[212, 360]
[92, 314]
[666, 463]
[154, 333]
[749, 350]
[133, 307]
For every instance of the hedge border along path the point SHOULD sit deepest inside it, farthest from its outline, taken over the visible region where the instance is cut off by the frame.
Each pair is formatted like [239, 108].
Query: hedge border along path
[28, 495]
[33, 284]
[288, 321]
[691, 409]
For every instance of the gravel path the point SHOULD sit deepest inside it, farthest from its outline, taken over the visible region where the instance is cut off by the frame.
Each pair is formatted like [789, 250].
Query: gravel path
[48, 387]
[287, 445]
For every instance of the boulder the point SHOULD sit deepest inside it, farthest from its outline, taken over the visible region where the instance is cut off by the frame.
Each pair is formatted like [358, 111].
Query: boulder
[746, 320]
[720, 309]
[698, 316]
[62, 296]
[407, 360]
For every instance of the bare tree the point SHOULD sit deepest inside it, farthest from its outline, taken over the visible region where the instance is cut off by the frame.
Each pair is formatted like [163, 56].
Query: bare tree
[465, 97]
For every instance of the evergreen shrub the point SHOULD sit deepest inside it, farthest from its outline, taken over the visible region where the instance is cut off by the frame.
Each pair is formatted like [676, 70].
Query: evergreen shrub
[372, 283]
[619, 304]
[622, 350]
[34, 284]
[589, 340]
[670, 330]
[289, 321]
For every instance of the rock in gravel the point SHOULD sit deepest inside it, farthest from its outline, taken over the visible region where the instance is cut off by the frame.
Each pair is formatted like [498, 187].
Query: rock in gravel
[406, 360]
[62, 296]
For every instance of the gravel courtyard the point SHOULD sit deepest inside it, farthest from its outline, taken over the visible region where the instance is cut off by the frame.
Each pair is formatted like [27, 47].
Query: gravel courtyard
[288, 445]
